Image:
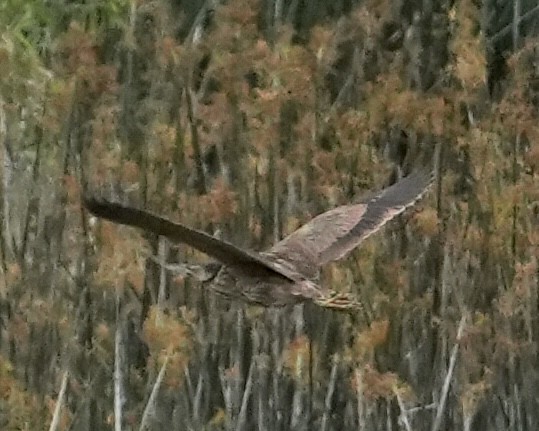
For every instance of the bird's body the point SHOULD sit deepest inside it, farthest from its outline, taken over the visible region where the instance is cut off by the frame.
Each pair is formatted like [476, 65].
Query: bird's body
[266, 290]
[287, 273]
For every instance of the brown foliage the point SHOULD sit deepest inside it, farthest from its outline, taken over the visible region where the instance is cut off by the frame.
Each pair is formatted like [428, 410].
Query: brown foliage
[287, 120]
[167, 337]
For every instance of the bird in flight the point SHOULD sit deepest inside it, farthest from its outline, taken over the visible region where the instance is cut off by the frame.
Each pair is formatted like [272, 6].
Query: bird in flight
[287, 273]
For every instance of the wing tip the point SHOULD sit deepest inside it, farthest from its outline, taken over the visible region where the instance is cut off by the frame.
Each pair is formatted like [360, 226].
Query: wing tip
[91, 203]
[101, 207]
[414, 185]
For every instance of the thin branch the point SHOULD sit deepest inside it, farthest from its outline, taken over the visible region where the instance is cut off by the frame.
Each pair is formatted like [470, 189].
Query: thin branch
[149, 409]
[197, 152]
[277, 14]
[225, 387]
[297, 399]
[360, 399]
[414, 410]
[118, 365]
[346, 87]
[404, 414]
[239, 355]
[292, 11]
[447, 382]
[190, 391]
[161, 295]
[516, 23]
[514, 216]
[195, 32]
[509, 27]
[6, 173]
[242, 417]
[329, 394]
[197, 399]
[32, 209]
[59, 402]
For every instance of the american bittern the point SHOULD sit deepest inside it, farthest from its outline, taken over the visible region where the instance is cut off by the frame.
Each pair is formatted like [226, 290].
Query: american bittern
[287, 273]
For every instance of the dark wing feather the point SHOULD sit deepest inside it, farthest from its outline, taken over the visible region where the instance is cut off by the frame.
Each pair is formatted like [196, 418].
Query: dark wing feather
[333, 234]
[223, 251]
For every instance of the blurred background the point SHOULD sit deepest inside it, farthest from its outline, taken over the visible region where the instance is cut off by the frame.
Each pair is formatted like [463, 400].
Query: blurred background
[246, 118]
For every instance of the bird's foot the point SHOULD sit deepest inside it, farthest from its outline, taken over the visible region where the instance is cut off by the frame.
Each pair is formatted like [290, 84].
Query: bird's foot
[339, 301]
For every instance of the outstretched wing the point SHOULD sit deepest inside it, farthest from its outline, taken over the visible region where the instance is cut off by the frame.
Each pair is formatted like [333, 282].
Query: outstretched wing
[333, 234]
[223, 251]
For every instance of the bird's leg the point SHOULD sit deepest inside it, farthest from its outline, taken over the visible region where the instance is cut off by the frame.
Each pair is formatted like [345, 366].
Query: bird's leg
[177, 268]
[338, 301]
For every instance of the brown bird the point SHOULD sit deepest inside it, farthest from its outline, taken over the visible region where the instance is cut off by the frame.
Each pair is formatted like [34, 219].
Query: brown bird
[287, 273]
